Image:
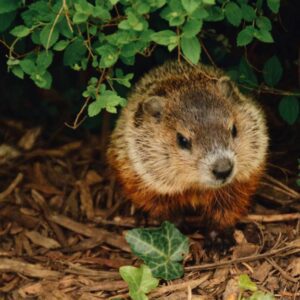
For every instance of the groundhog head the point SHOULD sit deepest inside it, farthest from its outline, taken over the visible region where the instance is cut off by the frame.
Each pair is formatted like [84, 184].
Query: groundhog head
[197, 136]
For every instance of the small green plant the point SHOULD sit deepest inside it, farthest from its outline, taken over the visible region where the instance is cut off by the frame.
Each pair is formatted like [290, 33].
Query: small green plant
[140, 281]
[105, 36]
[246, 284]
[162, 249]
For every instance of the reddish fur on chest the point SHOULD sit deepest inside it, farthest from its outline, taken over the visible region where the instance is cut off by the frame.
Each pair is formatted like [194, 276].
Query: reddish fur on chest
[220, 208]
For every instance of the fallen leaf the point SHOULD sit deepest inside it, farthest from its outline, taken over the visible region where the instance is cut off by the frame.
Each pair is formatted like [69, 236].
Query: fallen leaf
[92, 177]
[28, 140]
[232, 290]
[8, 153]
[244, 250]
[262, 271]
[294, 266]
[41, 240]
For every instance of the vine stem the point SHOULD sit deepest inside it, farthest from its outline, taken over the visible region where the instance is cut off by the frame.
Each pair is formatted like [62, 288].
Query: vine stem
[77, 122]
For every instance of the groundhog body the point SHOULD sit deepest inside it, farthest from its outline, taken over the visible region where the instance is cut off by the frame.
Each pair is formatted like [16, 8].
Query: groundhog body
[189, 139]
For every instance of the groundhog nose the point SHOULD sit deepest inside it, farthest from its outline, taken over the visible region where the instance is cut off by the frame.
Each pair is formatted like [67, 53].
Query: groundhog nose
[222, 168]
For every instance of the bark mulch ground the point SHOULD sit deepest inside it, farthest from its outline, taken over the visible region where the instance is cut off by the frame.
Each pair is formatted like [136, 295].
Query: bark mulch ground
[63, 219]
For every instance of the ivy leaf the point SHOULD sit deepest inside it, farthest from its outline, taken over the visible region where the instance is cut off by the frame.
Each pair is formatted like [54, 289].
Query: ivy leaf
[191, 28]
[259, 295]
[233, 14]
[140, 281]
[49, 36]
[191, 49]
[246, 283]
[272, 71]
[160, 248]
[245, 36]
[274, 5]
[20, 31]
[289, 109]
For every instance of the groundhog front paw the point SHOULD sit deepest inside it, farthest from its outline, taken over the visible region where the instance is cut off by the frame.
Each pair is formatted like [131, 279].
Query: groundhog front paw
[219, 241]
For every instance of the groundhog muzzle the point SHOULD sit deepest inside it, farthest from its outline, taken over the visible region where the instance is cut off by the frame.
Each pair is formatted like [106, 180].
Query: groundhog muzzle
[189, 138]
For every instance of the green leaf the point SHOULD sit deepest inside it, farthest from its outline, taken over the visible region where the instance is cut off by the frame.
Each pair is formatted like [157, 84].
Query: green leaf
[44, 59]
[191, 49]
[289, 109]
[245, 36]
[246, 283]
[80, 17]
[95, 108]
[161, 249]
[140, 281]
[209, 2]
[101, 13]
[28, 65]
[6, 20]
[42, 80]
[108, 100]
[246, 74]
[175, 17]
[233, 13]
[164, 37]
[109, 55]
[272, 71]
[17, 71]
[215, 14]
[49, 36]
[74, 52]
[123, 79]
[259, 295]
[190, 5]
[264, 23]
[274, 5]
[264, 36]
[7, 6]
[20, 31]
[248, 12]
[61, 45]
[134, 22]
[191, 28]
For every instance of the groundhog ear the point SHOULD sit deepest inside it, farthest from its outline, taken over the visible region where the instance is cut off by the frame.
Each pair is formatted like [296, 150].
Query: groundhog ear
[154, 106]
[225, 86]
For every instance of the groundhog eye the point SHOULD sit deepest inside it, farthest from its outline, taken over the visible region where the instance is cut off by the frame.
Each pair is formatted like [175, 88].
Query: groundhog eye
[233, 131]
[183, 142]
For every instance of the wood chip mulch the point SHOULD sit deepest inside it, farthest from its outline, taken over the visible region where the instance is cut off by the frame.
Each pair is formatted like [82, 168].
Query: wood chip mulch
[63, 219]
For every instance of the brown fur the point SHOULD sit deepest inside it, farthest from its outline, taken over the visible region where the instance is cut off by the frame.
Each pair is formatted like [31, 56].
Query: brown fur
[199, 108]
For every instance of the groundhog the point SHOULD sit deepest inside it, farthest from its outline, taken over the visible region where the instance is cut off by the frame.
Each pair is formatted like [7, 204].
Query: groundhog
[189, 138]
